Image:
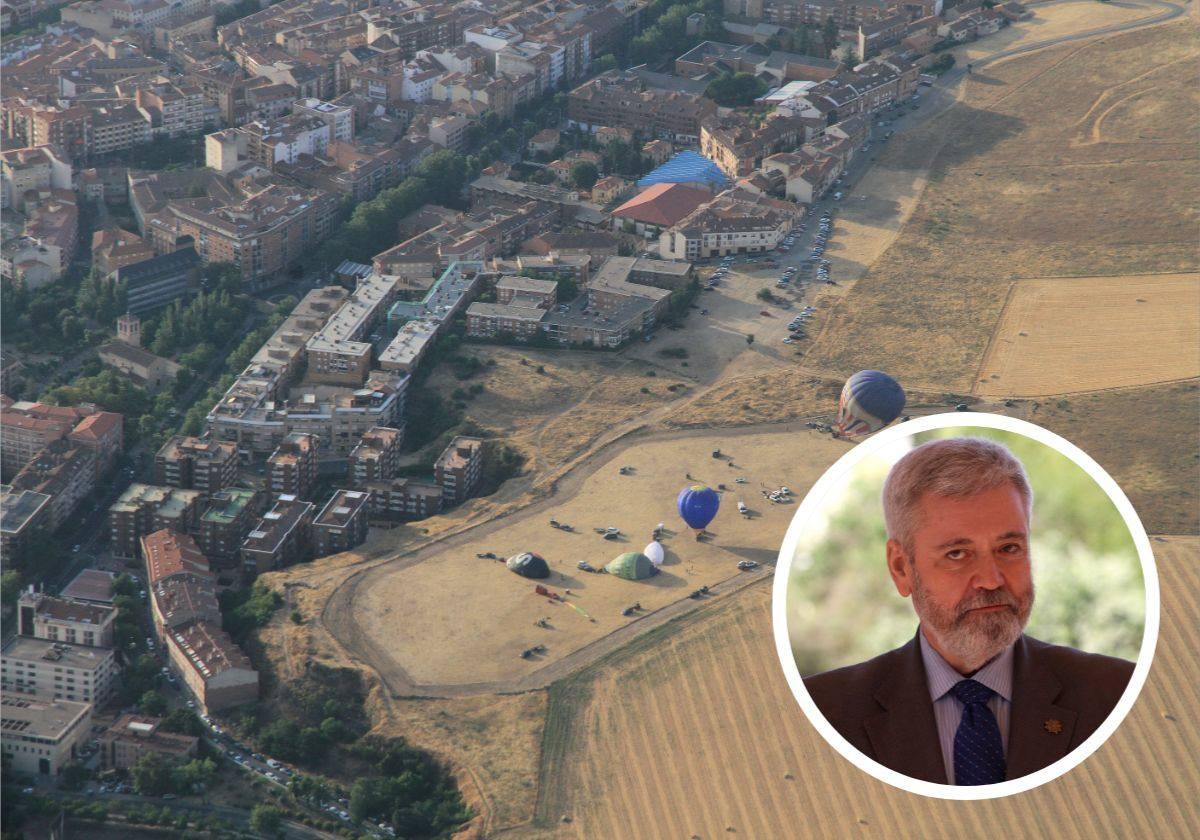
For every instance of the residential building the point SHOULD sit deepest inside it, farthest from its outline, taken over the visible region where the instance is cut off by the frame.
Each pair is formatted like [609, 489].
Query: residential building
[292, 467]
[808, 175]
[113, 248]
[168, 552]
[213, 668]
[143, 509]
[281, 538]
[340, 352]
[37, 169]
[377, 455]
[458, 468]
[342, 523]
[132, 737]
[23, 516]
[42, 616]
[735, 222]
[738, 146]
[192, 463]
[38, 737]
[402, 499]
[231, 515]
[64, 471]
[493, 320]
[621, 99]
[526, 291]
[57, 671]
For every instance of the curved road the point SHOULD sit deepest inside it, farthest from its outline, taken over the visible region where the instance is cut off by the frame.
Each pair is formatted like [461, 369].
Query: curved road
[339, 618]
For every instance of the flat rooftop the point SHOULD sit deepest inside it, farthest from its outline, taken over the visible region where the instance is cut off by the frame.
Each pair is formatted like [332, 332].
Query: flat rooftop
[26, 717]
[61, 654]
[94, 585]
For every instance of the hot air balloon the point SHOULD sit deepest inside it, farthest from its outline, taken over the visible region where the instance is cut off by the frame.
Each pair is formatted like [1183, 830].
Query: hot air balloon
[654, 552]
[870, 400]
[528, 564]
[698, 505]
[632, 566]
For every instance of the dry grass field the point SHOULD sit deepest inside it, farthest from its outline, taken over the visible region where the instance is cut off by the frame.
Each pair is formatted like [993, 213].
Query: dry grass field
[694, 732]
[1070, 334]
[455, 619]
[1146, 439]
[1014, 195]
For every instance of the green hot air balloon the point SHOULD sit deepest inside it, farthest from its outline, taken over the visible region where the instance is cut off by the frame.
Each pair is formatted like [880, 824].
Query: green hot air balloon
[632, 565]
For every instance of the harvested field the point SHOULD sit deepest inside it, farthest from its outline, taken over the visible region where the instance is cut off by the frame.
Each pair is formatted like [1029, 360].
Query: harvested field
[1071, 334]
[1012, 195]
[453, 619]
[695, 732]
[1146, 438]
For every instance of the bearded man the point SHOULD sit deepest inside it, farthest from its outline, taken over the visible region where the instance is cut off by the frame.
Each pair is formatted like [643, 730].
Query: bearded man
[970, 700]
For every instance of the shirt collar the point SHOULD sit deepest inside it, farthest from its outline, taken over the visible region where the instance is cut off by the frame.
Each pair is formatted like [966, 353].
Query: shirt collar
[940, 676]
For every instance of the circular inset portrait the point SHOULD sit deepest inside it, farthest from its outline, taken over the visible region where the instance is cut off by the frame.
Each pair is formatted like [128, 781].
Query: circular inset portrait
[966, 605]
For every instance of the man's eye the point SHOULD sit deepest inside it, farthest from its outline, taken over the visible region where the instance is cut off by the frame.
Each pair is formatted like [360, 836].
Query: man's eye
[1012, 548]
[956, 554]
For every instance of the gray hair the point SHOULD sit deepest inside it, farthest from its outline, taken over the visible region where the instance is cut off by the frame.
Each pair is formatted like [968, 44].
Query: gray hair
[953, 467]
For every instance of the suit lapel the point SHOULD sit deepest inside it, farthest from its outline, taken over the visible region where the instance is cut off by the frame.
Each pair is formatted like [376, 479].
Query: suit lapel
[1039, 732]
[904, 735]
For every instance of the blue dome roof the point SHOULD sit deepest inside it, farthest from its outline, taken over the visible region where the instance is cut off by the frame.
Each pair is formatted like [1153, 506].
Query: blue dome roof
[686, 168]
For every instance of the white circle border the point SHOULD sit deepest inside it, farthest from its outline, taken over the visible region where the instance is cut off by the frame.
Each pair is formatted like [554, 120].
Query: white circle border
[836, 474]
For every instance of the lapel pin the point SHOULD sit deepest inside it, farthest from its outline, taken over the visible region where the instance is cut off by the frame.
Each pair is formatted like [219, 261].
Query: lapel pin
[1053, 726]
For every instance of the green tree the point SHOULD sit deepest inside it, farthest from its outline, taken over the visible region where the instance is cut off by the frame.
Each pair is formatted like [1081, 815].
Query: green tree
[152, 775]
[830, 35]
[732, 90]
[10, 587]
[199, 771]
[604, 63]
[183, 721]
[266, 820]
[152, 703]
[584, 175]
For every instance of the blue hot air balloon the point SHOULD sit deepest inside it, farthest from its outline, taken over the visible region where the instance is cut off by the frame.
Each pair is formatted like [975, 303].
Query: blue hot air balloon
[698, 505]
[870, 400]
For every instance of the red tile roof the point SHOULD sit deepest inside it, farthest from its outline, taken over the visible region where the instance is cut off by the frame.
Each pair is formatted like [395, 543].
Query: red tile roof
[663, 204]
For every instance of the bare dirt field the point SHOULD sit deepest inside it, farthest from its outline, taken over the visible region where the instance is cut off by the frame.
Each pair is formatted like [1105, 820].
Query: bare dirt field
[456, 619]
[1069, 334]
[1012, 195]
[1054, 20]
[694, 732]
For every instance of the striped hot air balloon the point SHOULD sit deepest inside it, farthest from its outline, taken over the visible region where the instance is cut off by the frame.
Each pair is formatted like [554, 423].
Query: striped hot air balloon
[870, 400]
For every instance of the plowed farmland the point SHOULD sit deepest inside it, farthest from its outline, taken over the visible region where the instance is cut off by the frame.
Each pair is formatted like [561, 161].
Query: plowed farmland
[695, 733]
[1072, 334]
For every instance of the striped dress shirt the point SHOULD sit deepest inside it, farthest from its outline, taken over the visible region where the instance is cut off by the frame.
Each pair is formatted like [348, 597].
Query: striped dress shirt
[997, 675]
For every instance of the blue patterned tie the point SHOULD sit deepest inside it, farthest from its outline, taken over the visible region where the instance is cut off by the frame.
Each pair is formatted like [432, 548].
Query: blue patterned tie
[978, 750]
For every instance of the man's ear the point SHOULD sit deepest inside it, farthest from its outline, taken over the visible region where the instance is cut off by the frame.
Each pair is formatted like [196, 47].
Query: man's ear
[898, 563]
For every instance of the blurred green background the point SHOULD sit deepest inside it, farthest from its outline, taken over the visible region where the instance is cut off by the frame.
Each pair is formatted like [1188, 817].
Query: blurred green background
[843, 608]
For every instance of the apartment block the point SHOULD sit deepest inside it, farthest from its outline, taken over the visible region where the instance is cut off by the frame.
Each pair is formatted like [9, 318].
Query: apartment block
[230, 517]
[402, 500]
[377, 455]
[192, 463]
[292, 467]
[57, 671]
[342, 523]
[280, 538]
[144, 508]
[458, 468]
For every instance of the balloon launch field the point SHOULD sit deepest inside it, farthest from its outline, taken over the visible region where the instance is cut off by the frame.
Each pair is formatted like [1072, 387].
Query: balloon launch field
[455, 619]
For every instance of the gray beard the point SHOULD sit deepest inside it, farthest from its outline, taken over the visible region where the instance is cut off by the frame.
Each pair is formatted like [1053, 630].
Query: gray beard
[974, 639]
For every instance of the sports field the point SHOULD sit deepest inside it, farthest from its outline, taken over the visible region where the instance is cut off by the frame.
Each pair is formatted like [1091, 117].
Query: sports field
[1068, 334]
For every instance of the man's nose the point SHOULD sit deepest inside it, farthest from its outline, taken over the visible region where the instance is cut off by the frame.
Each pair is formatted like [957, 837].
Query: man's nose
[987, 574]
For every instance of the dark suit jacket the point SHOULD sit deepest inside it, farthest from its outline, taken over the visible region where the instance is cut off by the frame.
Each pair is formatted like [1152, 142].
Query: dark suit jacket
[882, 706]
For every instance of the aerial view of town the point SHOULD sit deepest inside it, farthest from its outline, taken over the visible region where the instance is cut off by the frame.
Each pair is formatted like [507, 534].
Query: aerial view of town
[403, 402]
